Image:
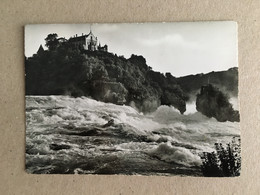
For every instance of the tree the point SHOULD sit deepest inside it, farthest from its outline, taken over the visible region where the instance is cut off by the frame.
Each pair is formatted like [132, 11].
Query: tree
[51, 41]
[100, 73]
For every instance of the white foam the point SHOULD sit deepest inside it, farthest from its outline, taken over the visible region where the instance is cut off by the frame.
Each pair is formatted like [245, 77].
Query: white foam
[166, 124]
[179, 155]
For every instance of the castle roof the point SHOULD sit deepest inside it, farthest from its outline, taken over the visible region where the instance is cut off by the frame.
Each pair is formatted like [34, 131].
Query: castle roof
[78, 38]
[90, 33]
[82, 37]
[40, 50]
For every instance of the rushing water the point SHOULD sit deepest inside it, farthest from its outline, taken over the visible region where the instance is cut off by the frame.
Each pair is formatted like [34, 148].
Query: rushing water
[81, 135]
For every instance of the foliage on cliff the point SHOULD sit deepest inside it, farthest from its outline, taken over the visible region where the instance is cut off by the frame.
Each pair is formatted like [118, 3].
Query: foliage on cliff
[63, 69]
[214, 103]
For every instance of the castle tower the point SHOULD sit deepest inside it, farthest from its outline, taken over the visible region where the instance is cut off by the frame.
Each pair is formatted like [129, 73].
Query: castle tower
[40, 50]
[87, 42]
[92, 41]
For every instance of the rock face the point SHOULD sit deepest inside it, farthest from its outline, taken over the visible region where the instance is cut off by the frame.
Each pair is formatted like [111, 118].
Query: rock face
[109, 92]
[213, 103]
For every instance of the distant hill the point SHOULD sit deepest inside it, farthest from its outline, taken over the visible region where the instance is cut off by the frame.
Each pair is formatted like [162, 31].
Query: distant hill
[226, 81]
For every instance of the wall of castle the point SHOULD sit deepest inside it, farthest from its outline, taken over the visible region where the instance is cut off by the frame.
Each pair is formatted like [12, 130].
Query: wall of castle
[88, 43]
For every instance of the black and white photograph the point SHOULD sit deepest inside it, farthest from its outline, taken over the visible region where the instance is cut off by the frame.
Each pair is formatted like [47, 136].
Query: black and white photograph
[152, 99]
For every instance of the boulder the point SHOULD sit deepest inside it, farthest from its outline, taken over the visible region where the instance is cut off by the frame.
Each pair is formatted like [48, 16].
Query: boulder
[214, 103]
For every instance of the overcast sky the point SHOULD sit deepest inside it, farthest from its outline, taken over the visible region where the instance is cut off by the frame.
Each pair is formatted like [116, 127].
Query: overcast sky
[179, 48]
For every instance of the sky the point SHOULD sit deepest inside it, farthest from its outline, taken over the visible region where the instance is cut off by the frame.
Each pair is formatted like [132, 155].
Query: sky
[179, 48]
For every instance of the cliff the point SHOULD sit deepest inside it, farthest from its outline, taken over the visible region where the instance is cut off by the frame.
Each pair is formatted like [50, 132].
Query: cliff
[103, 76]
[214, 103]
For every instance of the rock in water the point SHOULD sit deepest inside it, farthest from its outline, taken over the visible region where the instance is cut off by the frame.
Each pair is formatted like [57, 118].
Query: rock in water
[109, 123]
[214, 103]
[59, 147]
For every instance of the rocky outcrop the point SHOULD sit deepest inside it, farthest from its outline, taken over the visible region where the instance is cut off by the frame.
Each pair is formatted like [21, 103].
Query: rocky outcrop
[103, 76]
[106, 91]
[214, 103]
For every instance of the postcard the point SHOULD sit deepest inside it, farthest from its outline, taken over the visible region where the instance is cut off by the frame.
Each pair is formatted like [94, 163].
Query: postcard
[132, 99]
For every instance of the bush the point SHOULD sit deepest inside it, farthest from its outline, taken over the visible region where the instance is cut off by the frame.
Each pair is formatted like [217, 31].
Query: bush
[225, 162]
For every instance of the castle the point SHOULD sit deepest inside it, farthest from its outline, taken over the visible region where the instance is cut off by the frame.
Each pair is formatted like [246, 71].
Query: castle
[87, 42]
[84, 42]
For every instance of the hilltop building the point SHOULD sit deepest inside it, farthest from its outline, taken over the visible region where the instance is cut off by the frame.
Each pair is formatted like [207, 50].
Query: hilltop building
[87, 42]
[84, 42]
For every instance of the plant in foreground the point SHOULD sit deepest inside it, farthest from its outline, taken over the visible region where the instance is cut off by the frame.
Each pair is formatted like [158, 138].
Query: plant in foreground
[224, 162]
